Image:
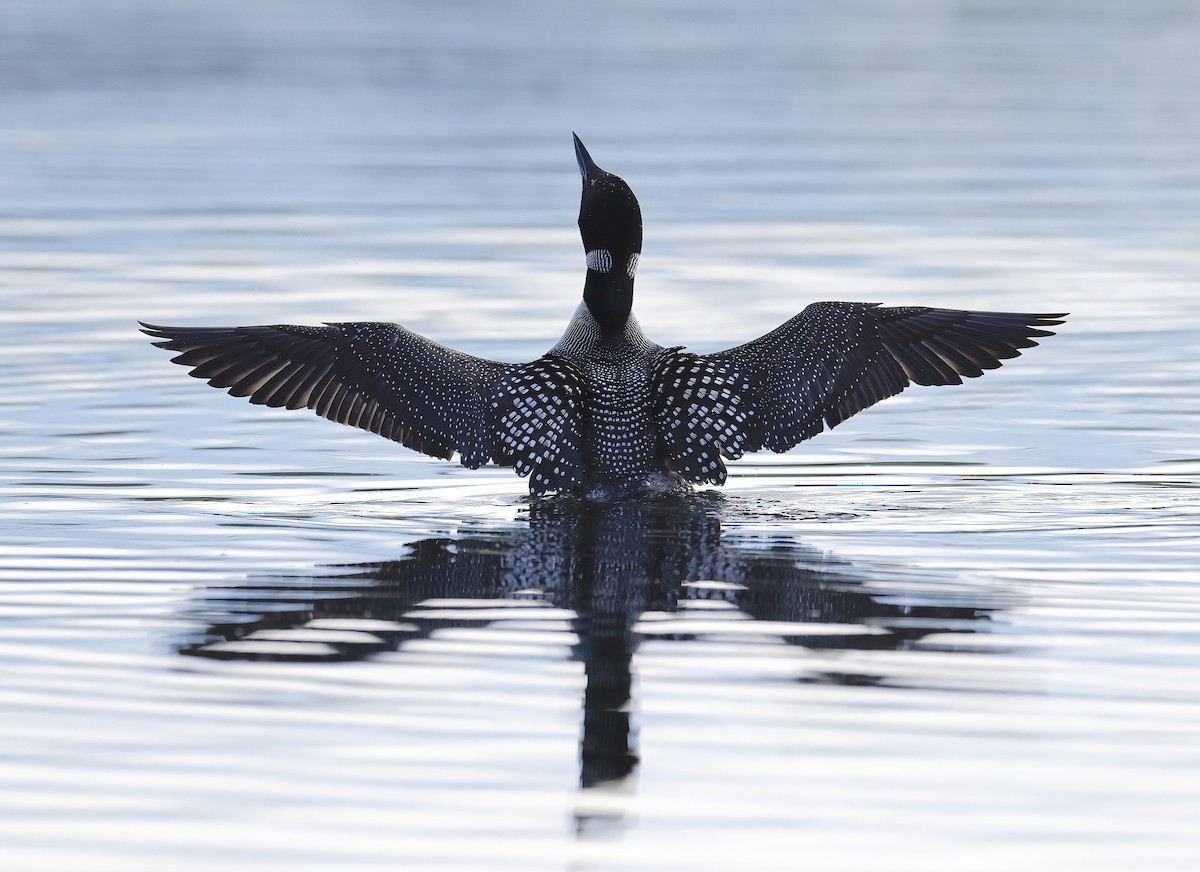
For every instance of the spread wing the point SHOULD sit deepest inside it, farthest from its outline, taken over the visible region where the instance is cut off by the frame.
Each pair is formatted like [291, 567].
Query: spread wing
[391, 381]
[535, 421]
[835, 359]
[702, 409]
[377, 377]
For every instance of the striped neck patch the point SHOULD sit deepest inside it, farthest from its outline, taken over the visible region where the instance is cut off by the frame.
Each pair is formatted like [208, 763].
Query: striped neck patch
[599, 260]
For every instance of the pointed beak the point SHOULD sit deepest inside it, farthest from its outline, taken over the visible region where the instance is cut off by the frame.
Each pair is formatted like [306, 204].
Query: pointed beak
[587, 166]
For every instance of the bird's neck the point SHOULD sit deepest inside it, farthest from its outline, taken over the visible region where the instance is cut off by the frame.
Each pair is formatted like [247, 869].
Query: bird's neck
[609, 297]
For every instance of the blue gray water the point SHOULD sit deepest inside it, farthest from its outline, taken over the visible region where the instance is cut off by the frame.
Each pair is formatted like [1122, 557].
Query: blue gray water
[960, 631]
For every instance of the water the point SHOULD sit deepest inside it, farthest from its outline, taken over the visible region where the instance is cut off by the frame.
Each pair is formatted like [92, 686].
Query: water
[960, 631]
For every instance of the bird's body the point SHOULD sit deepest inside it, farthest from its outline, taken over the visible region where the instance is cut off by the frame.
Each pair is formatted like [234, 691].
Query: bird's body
[606, 412]
[617, 378]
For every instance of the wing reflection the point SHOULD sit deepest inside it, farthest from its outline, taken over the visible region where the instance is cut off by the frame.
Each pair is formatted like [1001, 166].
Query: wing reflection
[617, 573]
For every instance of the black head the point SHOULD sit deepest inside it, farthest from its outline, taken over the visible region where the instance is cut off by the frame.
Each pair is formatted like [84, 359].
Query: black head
[610, 223]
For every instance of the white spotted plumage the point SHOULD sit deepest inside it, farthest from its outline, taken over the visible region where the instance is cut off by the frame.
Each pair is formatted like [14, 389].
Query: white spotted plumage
[701, 412]
[534, 422]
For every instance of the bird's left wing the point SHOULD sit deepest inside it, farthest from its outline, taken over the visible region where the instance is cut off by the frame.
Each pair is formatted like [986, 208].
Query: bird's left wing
[374, 376]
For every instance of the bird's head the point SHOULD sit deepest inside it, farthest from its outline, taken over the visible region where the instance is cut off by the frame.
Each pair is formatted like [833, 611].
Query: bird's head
[610, 224]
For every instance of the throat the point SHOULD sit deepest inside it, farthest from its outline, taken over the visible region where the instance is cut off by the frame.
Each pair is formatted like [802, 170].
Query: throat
[610, 300]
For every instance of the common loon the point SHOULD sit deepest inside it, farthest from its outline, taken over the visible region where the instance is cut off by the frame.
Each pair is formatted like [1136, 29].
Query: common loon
[606, 412]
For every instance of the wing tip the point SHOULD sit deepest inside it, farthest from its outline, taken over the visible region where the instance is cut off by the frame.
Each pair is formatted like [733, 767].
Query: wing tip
[1047, 320]
[164, 336]
[157, 331]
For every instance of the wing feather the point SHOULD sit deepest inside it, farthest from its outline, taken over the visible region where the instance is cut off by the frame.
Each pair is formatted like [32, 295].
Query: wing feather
[388, 380]
[700, 414]
[378, 377]
[535, 421]
[835, 359]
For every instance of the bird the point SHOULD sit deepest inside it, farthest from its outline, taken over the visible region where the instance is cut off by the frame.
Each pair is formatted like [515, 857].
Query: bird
[606, 413]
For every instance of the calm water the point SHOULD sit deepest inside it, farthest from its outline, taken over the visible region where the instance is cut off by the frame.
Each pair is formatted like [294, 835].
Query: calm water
[960, 632]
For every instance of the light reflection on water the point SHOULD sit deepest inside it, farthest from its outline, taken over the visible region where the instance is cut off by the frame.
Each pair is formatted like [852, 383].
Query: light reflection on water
[961, 631]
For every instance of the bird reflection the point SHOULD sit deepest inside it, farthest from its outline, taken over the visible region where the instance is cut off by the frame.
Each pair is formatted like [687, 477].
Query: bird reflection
[623, 571]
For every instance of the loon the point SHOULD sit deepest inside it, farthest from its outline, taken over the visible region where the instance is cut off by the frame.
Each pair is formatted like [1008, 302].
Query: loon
[606, 412]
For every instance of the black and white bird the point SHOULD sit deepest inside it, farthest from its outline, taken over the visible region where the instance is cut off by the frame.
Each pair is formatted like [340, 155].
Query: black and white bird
[606, 412]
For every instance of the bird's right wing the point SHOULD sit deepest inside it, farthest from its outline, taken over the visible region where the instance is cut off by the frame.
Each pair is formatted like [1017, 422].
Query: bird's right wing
[829, 362]
[374, 376]
[835, 359]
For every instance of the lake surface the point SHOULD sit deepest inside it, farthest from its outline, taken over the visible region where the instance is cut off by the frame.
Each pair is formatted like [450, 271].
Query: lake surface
[962, 631]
